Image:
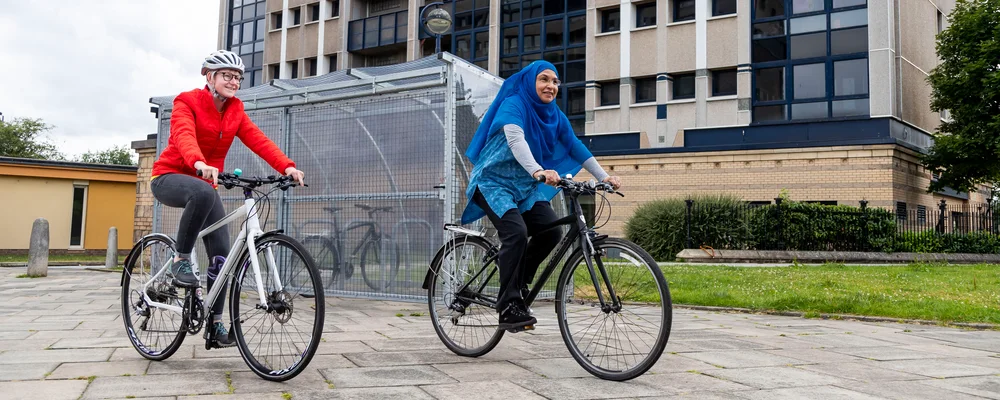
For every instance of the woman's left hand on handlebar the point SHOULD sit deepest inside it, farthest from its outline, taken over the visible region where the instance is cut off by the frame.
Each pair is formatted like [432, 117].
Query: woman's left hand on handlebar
[615, 181]
[299, 176]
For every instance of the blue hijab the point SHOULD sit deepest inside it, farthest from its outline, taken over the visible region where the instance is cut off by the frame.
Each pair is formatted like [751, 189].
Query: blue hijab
[547, 131]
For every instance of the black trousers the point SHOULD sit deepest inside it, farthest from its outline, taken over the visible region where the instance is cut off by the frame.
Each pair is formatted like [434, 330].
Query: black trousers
[202, 207]
[519, 257]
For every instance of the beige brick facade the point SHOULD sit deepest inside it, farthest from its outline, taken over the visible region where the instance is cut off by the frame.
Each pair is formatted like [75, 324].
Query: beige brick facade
[880, 174]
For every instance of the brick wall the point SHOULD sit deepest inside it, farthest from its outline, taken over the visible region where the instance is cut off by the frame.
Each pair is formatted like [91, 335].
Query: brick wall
[143, 196]
[881, 174]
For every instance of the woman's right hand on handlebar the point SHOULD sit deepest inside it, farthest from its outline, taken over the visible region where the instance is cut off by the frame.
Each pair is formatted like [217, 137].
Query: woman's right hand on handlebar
[550, 177]
[207, 172]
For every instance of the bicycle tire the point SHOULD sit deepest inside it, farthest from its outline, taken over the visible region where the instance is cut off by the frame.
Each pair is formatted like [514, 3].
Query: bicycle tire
[613, 247]
[133, 305]
[436, 294]
[284, 304]
[371, 277]
[326, 257]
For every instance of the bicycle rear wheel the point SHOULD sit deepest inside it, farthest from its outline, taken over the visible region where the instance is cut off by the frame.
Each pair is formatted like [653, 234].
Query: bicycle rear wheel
[277, 341]
[614, 344]
[156, 333]
[379, 263]
[466, 319]
[327, 259]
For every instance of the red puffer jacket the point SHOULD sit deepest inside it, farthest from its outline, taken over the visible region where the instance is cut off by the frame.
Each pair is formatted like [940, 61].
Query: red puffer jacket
[198, 132]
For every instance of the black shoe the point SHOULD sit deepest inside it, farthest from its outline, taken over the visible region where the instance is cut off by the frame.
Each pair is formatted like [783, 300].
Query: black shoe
[183, 275]
[515, 318]
[219, 338]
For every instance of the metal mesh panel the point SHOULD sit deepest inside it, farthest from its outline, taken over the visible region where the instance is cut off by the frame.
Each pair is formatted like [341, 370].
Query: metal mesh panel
[397, 146]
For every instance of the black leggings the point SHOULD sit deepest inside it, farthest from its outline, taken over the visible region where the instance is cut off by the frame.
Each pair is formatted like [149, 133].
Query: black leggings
[202, 207]
[519, 258]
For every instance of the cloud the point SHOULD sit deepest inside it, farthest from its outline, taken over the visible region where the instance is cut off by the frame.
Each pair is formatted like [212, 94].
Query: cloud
[89, 67]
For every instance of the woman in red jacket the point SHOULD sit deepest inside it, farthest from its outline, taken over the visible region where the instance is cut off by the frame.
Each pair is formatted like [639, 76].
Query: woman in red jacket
[203, 124]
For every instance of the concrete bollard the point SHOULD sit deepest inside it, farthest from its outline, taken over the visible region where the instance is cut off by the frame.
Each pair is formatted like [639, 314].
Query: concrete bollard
[111, 260]
[38, 249]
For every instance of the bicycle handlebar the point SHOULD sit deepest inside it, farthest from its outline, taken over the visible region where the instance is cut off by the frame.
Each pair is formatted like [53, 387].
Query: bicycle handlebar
[231, 180]
[583, 186]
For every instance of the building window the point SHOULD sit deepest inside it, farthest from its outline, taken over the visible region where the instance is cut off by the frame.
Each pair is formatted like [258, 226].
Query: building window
[611, 20]
[810, 63]
[312, 66]
[274, 71]
[331, 62]
[610, 93]
[645, 90]
[332, 8]
[246, 32]
[276, 19]
[940, 22]
[724, 82]
[922, 215]
[469, 38]
[551, 30]
[683, 10]
[723, 7]
[296, 16]
[314, 12]
[645, 15]
[79, 216]
[683, 86]
[901, 211]
[294, 67]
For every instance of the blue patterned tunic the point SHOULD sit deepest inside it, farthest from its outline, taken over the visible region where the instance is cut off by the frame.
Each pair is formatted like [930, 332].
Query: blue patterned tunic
[502, 180]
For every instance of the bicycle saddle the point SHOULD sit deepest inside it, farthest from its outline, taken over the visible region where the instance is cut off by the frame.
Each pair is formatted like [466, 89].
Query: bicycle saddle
[332, 210]
[370, 208]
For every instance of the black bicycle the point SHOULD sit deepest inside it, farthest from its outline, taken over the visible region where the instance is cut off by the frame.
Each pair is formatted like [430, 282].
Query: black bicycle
[612, 303]
[376, 254]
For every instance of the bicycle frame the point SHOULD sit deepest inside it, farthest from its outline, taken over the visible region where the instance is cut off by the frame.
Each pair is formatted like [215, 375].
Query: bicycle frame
[578, 225]
[249, 232]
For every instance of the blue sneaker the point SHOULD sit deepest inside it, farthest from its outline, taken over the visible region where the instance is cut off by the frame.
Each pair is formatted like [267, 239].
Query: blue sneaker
[218, 337]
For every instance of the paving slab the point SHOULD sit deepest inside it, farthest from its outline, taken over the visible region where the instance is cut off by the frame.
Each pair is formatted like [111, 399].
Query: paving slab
[87, 369]
[985, 386]
[774, 377]
[26, 372]
[33, 390]
[372, 393]
[486, 371]
[814, 392]
[908, 390]
[586, 388]
[938, 368]
[484, 390]
[385, 376]
[158, 385]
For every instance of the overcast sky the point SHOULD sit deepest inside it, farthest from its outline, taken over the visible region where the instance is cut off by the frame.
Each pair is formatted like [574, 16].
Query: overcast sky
[89, 67]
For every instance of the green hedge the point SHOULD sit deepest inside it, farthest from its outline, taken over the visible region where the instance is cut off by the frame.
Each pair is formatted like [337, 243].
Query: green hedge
[726, 222]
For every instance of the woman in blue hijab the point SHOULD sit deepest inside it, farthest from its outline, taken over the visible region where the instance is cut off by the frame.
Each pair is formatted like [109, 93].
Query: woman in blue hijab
[523, 139]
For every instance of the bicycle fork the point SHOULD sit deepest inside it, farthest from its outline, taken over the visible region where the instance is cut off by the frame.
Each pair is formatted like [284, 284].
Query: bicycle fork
[592, 256]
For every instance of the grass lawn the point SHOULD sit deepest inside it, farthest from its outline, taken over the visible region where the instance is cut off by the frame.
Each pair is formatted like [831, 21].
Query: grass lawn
[60, 258]
[945, 293]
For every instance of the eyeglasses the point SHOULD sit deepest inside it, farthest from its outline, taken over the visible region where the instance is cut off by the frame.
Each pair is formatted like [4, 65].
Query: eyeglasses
[227, 76]
[554, 81]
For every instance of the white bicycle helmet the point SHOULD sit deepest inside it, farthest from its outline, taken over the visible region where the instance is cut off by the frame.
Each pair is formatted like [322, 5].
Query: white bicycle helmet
[222, 59]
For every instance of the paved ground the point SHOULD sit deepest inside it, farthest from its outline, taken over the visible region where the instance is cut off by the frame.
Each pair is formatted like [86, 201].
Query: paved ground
[56, 332]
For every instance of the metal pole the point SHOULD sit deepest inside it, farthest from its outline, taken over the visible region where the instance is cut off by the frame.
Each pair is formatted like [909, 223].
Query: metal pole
[864, 225]
[781, 241]
[688, 221]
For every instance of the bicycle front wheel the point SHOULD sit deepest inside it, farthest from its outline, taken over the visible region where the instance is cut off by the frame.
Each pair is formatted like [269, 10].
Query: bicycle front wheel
[155, 332]
[462, 296]
[277, 340]
[618, 341]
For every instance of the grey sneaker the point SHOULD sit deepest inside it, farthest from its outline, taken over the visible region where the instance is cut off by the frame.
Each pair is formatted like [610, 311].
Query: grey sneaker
[183, 275]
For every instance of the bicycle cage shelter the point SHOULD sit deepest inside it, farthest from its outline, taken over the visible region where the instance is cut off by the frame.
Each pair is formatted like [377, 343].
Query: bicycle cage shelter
[389, 136]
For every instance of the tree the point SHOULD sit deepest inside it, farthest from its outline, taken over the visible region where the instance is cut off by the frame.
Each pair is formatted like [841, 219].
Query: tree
[22, 137]
[966, 150]
[120, 155]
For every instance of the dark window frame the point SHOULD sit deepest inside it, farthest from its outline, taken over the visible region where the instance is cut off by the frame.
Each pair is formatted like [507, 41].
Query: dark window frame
[675, 8]
[606, 14]
[641, 6]
[715, 83]
[573, 57]
[606, 87]
[639, 82]
[676, 79]
[788, 64]
[256, 16]
[717, 13]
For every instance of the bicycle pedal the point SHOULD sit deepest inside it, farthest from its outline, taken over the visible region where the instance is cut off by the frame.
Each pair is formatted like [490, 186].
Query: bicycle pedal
[521, 329]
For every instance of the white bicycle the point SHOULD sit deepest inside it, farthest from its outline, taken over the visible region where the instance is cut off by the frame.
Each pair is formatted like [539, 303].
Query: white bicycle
[276, 301]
